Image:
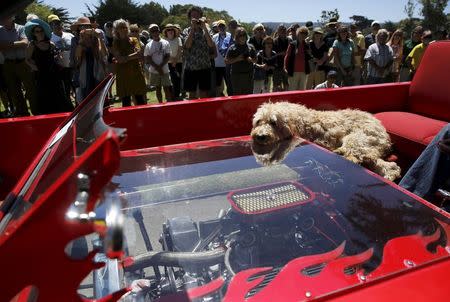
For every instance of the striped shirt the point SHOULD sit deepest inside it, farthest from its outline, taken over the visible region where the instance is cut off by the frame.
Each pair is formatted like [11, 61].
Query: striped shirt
[382, 55]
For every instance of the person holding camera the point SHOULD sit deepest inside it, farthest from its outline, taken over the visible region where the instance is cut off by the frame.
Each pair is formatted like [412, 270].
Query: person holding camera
[241, 56]
[197, 55]
[128, 55]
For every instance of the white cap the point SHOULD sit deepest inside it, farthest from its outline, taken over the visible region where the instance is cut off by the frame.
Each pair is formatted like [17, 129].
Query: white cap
[375, 22]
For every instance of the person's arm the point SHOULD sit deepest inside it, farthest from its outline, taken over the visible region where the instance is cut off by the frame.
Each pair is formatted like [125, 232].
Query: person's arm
[28, 59]
[287, 57]
[408, 61]
[337, 59]
[209, 40]
[137, 55]
[324, 58]
[231, 57]
[190, 37]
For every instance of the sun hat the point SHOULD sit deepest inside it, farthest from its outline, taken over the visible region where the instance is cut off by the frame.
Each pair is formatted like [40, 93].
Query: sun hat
[318, 30]
[332, 21]
[375, 23]
[80, 21]
[221, 22]
[167, 27]
[152, 26]
[30, 25]
[53, 18]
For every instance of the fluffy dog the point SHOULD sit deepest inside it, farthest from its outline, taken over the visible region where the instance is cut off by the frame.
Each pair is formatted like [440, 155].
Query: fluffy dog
[354, 134]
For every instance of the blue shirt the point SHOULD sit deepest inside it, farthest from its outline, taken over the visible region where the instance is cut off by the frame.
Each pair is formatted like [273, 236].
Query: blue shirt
[17, 33]
[219, 41]
[346, 50]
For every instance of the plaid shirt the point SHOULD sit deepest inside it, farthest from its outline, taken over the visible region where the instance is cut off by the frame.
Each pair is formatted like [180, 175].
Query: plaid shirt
[382, 55]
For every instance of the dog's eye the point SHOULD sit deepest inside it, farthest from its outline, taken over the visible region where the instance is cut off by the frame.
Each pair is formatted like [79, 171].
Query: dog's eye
[258, 122]
[273, 123]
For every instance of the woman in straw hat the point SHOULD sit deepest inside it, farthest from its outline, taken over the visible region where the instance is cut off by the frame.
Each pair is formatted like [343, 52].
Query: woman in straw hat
[319, 52]
[172, 34]
[42, 58]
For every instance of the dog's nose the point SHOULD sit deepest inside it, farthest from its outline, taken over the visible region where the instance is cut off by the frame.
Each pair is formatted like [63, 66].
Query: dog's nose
[261, 138]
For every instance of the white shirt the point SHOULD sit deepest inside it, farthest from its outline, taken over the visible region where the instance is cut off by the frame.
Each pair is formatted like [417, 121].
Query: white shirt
[63, 43]
[325, 86]
[175, 46]
[157, 50]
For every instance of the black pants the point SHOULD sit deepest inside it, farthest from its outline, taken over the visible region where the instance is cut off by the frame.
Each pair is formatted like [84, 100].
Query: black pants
[66, 76]
[175, 77]
[140, 100]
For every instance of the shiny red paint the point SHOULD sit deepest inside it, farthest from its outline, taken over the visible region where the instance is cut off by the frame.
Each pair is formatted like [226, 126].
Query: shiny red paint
[45, 230]
[182, 122]
[291, 285]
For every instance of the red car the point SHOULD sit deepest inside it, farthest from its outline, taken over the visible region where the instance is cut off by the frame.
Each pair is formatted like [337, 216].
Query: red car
[177, 207]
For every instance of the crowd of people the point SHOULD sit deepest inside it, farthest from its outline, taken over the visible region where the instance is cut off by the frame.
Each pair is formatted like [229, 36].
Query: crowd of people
[55, 68]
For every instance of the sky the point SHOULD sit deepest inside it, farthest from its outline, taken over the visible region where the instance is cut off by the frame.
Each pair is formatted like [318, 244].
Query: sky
[277, 10]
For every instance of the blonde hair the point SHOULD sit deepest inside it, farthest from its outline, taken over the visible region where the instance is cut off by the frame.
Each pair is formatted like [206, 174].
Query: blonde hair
[398, 32]
[120, 23]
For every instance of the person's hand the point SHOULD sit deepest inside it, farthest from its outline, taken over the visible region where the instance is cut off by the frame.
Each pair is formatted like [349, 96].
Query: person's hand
[159, 69]
[444, 145]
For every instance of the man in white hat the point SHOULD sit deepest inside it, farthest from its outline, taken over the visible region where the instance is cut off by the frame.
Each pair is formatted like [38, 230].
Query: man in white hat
[371, 38]
[63, 42]
[157, 55]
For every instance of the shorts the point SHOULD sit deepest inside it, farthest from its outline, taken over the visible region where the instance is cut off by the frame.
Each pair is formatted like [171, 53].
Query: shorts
[279, 77]
[160, 80]
[200, 78]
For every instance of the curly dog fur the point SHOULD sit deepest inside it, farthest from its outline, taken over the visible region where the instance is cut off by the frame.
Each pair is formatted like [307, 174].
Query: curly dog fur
[354, 134]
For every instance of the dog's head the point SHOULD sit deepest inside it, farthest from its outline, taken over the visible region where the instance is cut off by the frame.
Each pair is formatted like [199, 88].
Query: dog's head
[270, 124]
[270, 154]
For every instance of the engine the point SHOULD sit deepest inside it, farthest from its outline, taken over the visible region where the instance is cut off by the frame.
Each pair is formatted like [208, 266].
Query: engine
[266, 226]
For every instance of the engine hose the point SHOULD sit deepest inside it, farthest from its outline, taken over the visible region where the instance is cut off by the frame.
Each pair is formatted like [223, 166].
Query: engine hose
[227, 261]
[174, 259]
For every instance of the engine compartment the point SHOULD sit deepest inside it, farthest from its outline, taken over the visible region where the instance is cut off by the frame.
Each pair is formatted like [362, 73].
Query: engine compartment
[197, 252]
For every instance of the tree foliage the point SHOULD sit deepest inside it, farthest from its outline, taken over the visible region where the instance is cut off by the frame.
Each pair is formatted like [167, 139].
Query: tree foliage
[390, 26]
[152, 13]
[178, 15]
[62, 13]
[327, 15]
[433, 13]
[361, 22]
[40, 9]
[409, 23]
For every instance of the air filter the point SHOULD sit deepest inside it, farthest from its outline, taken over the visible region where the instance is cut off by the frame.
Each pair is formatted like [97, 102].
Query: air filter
[270, 197]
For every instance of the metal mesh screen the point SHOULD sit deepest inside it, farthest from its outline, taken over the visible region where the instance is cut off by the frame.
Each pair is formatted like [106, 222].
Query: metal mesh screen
[258, 200]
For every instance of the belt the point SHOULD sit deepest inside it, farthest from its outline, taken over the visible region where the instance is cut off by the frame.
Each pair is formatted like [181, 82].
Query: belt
[14, 60]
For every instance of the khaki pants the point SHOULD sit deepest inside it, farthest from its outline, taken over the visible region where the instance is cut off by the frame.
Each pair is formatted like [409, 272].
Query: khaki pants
[16, 74]
[315, 78]
[298, 81]
[357, 76]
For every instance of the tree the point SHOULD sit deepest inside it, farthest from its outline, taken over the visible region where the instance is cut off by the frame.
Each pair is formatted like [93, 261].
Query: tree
[62, 13]
[152, 13]
[433, 13]
[327, 15]
[409, 23]
[390, 26]
[110, 10]
[361, 22]
[38, 8]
